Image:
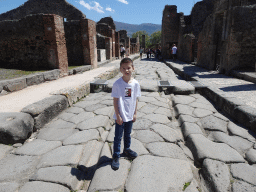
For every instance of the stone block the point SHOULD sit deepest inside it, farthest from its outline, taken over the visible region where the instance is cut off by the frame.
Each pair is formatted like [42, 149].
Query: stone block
[15, 127]
[244, 172]
[14, 84]
[147, 136]
[251, 156]
[213, 123]
[246, 115]
[43, 187]
[4, 149]
[35, 79]
[82, 69]
[9, 186]
[45, 110]
[239, 186]
[51, 75]
[190, 128]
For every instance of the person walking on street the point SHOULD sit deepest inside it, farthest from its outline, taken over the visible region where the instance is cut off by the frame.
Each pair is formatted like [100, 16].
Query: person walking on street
[174, 52]
[141, 52]
[122, 50]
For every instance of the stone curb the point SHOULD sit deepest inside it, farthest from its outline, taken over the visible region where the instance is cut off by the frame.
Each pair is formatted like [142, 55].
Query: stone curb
[229, 105]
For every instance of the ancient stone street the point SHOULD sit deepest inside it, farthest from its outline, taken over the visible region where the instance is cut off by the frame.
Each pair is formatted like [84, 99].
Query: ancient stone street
[184, 144]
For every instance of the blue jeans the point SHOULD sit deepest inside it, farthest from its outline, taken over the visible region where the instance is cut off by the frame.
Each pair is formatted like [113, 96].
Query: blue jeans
[126, 127]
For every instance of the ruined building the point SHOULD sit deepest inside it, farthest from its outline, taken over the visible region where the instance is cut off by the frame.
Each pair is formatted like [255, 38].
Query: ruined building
[218, 35]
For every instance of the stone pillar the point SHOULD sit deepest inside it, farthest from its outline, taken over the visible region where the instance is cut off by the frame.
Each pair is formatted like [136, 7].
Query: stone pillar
[117, 37]
[108, 46]
[128, 46]
[88, 33]
[56, 48]
[144, 42]
[137, 44]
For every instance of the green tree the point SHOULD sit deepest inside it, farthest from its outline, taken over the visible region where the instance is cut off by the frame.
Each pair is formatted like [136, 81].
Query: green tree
[140, 33]
[155, 38]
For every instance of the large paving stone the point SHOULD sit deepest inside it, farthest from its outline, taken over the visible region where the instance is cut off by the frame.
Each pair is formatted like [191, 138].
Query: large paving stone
[203, 148]
[154, 174]
[238, 143]
[112, 180]
[17, 168]
[251, 156]
[182, 99]
[8, 187]
[244, 172]
[142, 124]
[148, 109]
[148, 85]
[95, 122]
[43, 187]
[81, 117]
[37, 147]
[164, 111]
[239, 131]
[65, 155]
[66, 116]
[4, 149]
[153, 94]
[95, 107]
[86, 103]
[190, 128]
[147, 99]
[164, 149]
[82, 137]
[182, 87]
[187, 118]
[203, 106]
[147, 136]
[166, 132]
[193, 187]
[186, 150]
[181, 109]
[201, 112]
[240, 186]
[107, 102]
[15, 127]
[52, 134]
[157, 118]
[107, 111]
[111, 134]
[67, 176]
[105, 155]
[60, 124]
[161, 104]
[94, 96]
[141, 104]
[213, 123]
[216, 174]
[75, 110]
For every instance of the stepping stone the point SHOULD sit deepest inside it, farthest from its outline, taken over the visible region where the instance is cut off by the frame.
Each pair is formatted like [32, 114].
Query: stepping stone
[66, 116]
[37, 147]
[147, 136]
[9, 186]
[182, 99]
[251, 156]
[148, 85]
[67, 176]
[239, 131]
[217, 173]
[96, 122]
[239, 186]
[238, 143]
[148, 109]
[62, 156]
[157, 118]
[159, 174]
[182, 87]
[112, 180]
[4, 149]
[202, 112]
[244, 172]
[81, 117]
[163, 149]
[203, 148]
[17, 168]
[75, 110]
[213, 123]
[190, 128]
[203, 106]
[43, 187]
[180, 109]
[60, 124]
[82, 137]
[55, 134]
[142, 124]
[166, 132]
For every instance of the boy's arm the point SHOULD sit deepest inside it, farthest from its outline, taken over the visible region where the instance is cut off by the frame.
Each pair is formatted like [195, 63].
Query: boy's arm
[135, 112]
[119, 119]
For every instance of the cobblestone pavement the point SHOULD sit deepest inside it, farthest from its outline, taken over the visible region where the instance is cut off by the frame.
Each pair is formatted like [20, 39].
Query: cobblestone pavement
[181, 140]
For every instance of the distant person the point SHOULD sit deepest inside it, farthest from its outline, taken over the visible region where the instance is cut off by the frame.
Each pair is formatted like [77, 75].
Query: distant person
[122, 50]
[125, 93]
[174, 52]
[141, 52]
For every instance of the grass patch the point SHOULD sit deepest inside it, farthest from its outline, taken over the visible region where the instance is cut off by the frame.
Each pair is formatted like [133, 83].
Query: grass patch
[186, 185]
[15, 73]
[72, 67]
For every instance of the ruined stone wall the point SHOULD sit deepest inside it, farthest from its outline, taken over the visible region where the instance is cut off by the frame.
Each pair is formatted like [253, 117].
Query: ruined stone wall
[185, 48]
[58, 7]
[117, 44]
[33, 43]
[109, 21]
[100, 41]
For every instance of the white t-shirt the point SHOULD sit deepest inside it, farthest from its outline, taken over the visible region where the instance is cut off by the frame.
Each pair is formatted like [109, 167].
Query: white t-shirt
[174, 50]
[127, 94]
[122, 49]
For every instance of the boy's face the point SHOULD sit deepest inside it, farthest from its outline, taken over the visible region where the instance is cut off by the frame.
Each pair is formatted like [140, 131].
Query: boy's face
[126, 69]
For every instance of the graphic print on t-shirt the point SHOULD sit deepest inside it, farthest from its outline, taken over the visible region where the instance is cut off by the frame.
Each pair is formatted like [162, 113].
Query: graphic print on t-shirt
[128, 92]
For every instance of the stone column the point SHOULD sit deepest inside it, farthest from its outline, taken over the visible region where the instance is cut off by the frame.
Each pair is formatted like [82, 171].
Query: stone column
[56, 49]
[128, 46]
[113, 37]
[108, 46]
[144, 42]
[117, 50]
[88, 33]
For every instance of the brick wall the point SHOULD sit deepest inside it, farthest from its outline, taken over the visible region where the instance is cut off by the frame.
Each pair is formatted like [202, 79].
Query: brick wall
[117, 49]
[108, 45]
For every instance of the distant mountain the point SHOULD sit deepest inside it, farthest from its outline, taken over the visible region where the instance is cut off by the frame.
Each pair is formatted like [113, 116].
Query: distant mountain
[130, 28]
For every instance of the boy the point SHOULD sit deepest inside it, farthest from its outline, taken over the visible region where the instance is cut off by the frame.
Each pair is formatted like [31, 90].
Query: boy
[124, 92]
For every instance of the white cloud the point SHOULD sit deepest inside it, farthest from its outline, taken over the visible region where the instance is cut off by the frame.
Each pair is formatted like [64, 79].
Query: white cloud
[109, 9]
[96, 6]
[123, 1]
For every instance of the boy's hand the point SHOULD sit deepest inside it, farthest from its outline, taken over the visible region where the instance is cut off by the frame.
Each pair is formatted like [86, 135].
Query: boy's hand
[119, 120]
[134, 117]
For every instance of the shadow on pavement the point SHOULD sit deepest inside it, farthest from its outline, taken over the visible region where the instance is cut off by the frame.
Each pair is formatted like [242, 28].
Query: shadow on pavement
[248, 87]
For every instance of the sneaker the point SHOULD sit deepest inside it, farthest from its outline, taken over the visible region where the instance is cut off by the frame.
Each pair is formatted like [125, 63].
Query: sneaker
[115, 164]
[130, 153]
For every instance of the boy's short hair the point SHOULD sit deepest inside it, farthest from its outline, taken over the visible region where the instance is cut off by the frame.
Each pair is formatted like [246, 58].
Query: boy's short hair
[126, 60]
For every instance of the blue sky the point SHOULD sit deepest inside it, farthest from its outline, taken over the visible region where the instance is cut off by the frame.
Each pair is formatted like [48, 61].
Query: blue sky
[127, 11]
